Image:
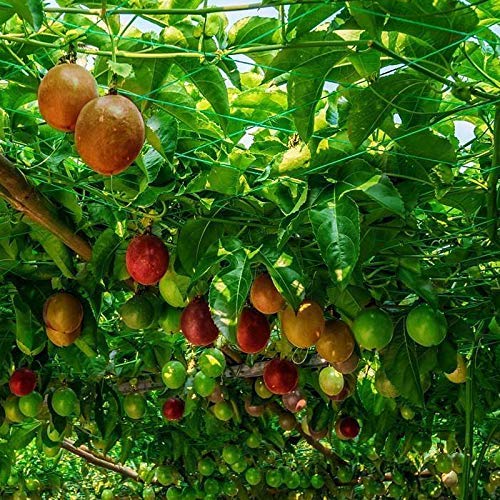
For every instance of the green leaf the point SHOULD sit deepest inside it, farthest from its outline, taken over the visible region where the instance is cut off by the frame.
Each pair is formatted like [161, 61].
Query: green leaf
[23, 434]
[228, 292]
[359, 175]
[173, 288]
[54, 247]
[103, 251]
[350, 301]
[421, 286]
[372, 105]
[427, 148]
[336, 227]
[400, 363]
[194, 239]
[124, 70]
[29, 10]
[284, 272]
[211, 84]
[30, 336]
[176, 101]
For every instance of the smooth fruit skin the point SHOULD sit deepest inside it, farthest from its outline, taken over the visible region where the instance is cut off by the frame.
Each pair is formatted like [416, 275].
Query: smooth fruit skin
[31, 404]
[197, 324]
[336, 343]
[426, 326]
[223, 411]
[12, 411]
[64, 401]
[331, 381]
[264, 296]
[459, 375]
[212, 362]
[63, 92]
[287, 421]
[109, 134]
[347, 428]
[22, 382]
[63, 312]
[253, 331]
[349, 365]
[294, 401]
[173, 409]
[174, 374]
[280, 376]
[134, 406]
[203, 385]
[261, 389]
[137, 313]
[146, 259]
[304, 328]
[62, 339]
[373, 329]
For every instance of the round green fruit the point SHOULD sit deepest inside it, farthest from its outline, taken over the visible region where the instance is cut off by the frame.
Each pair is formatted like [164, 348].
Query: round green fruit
[223, 411]
[167, 475]
[206, 467]
[293, 480]
[331, 381]
[240, 466]
[345, 474]
[174, 493]
[273, 478]
[373, 329]
[261, 389]
[253, 440]
[212, 362]
[407, 413]
[170, 320]
[148, 493]
[12, 411]
[137, 313]
[51, 451]
[211, 486]
[65, 401]
[426, 326]
[317, 481]
[230, 489]
[253, 476]
[107, 494]
[134, 406]
[31, 404]
[231, 454]
[174, 374]
[203, 385]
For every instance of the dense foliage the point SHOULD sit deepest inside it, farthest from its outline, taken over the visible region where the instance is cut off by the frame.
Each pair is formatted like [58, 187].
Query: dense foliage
[350, 150]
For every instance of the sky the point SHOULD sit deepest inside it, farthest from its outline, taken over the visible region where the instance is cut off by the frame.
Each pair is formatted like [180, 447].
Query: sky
[464, 130]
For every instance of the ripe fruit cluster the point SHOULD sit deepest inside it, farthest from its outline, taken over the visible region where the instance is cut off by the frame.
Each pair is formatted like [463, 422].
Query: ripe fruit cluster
[109, 130]
[63, 318]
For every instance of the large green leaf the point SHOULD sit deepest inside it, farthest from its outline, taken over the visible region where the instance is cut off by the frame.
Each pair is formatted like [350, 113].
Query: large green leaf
[23, 434]
[210, 83]
[54, 247]
[336, 227]
[254, 31]
[284, 272]
[358, 175]
[229, 291]
[372, 105]
[30, 11]
[30, 336]
[194, 239]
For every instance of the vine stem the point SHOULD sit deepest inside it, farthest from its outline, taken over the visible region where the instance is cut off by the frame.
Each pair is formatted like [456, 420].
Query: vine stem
[187, 12]
[26, 199]
[492, 209]
[479, 461]
[100, 461]
[469, 421]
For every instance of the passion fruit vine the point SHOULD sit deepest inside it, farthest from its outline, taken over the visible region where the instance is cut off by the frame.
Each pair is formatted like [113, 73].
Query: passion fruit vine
[197, 324]
[109, 134]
